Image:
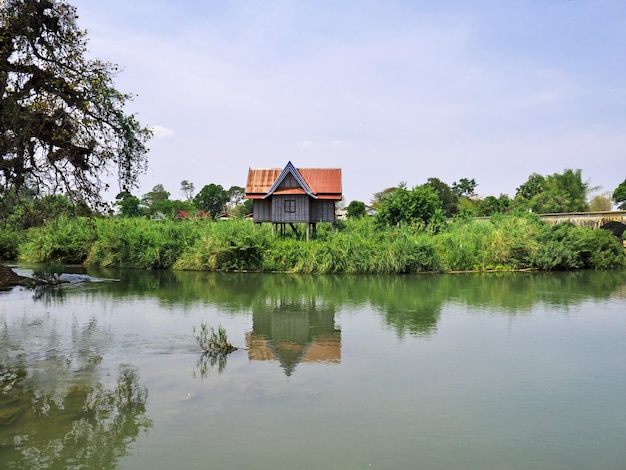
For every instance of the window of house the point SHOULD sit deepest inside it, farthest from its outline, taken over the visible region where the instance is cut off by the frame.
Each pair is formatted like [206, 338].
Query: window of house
[290, 205]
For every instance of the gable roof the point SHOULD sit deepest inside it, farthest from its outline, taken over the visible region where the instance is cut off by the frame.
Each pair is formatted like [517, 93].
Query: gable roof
[319, 183]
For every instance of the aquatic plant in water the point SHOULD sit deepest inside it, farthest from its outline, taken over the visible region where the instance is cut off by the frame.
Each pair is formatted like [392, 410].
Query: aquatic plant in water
[215, 348]
[213, 343]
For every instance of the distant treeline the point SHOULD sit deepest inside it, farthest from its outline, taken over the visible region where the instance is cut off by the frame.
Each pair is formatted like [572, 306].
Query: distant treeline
[359, 245]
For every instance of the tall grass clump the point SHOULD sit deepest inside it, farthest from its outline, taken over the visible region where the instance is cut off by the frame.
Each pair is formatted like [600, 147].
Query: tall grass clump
[63, 239]
[501, 243]
[358, 247]
[229, 245]
[142, 243]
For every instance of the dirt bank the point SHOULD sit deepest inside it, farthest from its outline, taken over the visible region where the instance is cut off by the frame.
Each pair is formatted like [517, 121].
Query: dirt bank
[8, 278]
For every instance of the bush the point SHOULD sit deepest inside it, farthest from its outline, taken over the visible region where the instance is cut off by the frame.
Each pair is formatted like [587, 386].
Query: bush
[64, 239]
[9, 243]
[231, 245]
[566, 246]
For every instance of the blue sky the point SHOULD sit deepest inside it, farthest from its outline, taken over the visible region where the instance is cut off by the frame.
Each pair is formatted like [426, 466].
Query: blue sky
[389, 91]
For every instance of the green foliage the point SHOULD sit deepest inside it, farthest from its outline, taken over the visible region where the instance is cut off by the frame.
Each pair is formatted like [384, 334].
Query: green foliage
[358, 245]
[152, 199]
[129, 205]
[64, 239]
[356, 209]
[465, 187]
[492, 205]
[227, 245]
[619, 196]
[141, 243]
[566, 246]
[449, 198]
[467, 207]
[25, 211]
[420, 205]
[213, 342]
[9, 243]
[212, 198]
[560, 192]
[499, 243]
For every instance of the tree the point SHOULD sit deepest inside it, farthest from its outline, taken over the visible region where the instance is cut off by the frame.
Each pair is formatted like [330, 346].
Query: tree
[560, 192]
[601, 202]
[356, 209]
[236, 196]
[154, 197]
[212, 198]
[449, 198]
[418, 205]
[62, 121]
[187, 189]
[129, 205]
[535, 185]
[494, 205]
[465, 187]
[619, 196]
[377, 199]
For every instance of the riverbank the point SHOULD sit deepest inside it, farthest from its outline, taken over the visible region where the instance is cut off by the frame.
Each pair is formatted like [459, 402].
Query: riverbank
[502, 243]
[8, 278]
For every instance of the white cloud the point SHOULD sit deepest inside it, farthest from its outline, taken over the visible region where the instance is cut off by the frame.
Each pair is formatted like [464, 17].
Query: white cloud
[160, 132]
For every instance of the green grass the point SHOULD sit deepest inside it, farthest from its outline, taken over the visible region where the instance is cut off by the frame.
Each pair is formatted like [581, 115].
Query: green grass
[354, 246]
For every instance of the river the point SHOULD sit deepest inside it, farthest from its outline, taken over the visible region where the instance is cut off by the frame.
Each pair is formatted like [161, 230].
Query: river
[472, 371]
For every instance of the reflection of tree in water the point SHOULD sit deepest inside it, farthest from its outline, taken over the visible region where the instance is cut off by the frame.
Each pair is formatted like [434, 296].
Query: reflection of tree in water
[294, 329]
[208, 362]
[54, 412]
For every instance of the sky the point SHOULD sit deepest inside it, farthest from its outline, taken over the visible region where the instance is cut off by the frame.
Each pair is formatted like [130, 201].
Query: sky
[390, 91]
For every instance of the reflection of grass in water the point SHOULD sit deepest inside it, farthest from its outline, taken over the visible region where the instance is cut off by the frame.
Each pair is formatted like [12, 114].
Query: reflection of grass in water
[215, 348]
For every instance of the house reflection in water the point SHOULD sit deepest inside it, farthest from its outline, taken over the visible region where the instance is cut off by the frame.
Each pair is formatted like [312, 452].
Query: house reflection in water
[293, 331]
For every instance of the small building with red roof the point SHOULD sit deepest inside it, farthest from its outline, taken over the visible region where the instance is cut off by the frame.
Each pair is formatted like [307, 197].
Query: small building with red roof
[294, 195]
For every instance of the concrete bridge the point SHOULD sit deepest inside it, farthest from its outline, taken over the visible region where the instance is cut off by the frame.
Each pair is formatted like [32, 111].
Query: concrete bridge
[615, 221]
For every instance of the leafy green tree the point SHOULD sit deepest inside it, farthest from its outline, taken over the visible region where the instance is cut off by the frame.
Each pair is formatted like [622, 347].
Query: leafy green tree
[169, 207]
[129, 205]
[619, 196]
[449, 198]
[536, 184]
[157, 195]
[62, 121]
[212, 198]
[560, 192]
[465, 187]
[494, 205]
[356, 209]
[418, 205]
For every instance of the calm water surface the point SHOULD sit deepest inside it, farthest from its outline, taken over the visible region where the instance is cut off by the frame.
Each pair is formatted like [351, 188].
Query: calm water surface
[507, 371]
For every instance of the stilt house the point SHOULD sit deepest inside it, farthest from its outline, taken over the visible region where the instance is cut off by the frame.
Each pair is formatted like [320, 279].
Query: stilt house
[294, 195]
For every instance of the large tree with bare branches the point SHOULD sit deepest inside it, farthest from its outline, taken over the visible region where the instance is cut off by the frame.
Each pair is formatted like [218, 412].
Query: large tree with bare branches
[63, 127]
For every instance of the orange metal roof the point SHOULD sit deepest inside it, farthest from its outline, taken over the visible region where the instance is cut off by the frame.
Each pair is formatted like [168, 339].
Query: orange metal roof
[325, 183]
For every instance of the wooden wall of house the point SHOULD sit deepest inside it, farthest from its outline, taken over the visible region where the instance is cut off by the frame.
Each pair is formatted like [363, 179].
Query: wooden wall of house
[289, 183]
[300, 204]
[307, 209]
[262, 210]
[322, 210]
